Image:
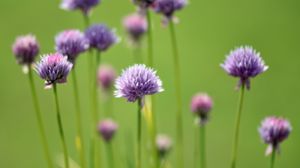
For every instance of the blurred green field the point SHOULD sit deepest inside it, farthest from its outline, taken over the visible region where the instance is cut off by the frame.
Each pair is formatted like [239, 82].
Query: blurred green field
[207, 31]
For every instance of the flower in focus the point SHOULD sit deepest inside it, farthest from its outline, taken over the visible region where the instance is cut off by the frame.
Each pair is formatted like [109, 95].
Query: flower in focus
[54, 68]
[84, 5]
[106, 77]
[164, 145]
[244, 63]
[273, 131]
[71, 43]
[100, 37]
[107, 129]
[201, 105]
[136, 26]
[137, 81]
[25, 49]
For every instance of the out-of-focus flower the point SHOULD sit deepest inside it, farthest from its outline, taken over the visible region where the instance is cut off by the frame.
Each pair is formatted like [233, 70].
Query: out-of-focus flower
[201, 105]
[136, 26]
[84, 5]
[106, 77]
[107, 129]
[164, 145]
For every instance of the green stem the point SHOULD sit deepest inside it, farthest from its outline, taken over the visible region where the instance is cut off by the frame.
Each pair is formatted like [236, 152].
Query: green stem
[139, 135]
[60, 126]
[179, 142]
[150, 41]
[39, 118]
[79, 139]
[86, 20]
[273, 159]
[110, 155]
[202, 147]
[137, 53]
[237, 126]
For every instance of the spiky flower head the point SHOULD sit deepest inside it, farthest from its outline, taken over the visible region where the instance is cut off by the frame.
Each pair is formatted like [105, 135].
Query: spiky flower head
[100, 37]
[84, 5]
[168, 7]
[137, 81]
[244, 63]
[25, 49]
[107, 129]
[136, 26]
[163, 144]
[273, 131]
[71, 43]
[201, 105]
[106, 77]
[54, 68]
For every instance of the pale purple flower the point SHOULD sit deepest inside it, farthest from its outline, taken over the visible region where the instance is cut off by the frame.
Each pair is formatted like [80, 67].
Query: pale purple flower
[107, 129]
[54, 68]
[168, 7]
[273, 131]
[164, 145]
[25, 49]
[201, 105]
[244, 63]
[136, 26]
[106, 77]
[100, 37]
[71, 43]
[84, 5]
[137, 81]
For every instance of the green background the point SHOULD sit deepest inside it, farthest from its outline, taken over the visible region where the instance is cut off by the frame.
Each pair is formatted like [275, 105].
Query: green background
[207, 31]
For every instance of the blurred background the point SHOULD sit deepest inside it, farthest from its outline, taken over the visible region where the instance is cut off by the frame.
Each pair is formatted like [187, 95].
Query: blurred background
[207, 31]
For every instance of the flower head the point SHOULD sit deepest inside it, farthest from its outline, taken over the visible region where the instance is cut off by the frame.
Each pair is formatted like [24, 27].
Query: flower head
[244, 63]
[84, 5]
[142, 4]
[136, 26]
[100, 37]
[71, 43]
[25, 49]
[168, 7]
[137, 81]
[164, 145]
[107, 129]
[106, 77]
[201, 105]
[273, 131]
[54, 68]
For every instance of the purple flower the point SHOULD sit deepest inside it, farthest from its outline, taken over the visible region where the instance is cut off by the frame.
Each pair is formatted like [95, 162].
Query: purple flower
[54, 68]
[168, 7]
[136, 26]
[244, 63]
[83, 5]
[71, 43]
[201, 105]
[25, 49]
[107, 129]
[273, 131]
[106, 77]
[164, 145]
[100, 37]
[137, 81]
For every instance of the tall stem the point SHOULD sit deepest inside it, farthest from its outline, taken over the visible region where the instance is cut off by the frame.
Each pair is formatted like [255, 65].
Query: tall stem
[149, 37]
[139, 135]
[60, 126]
[79, 138]
[237, 127]
[273, 159]
[39, 119]
[179, 142]
[110, 155]
[202, 147]
[86, 20]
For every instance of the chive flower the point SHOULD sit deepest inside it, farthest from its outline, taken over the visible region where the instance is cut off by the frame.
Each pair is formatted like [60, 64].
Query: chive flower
[107, 129]
[100, 37]
[136, 26]
[53, 68]
[106, 77]
[163, 144]
[25, 49]
[71, 43]
[201, 105]
[168, 7]
[244, 63]
[84, 5]
[273, 131]
[136, 82]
